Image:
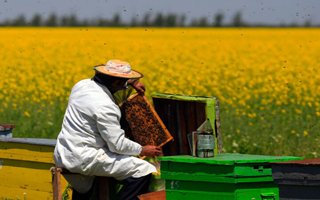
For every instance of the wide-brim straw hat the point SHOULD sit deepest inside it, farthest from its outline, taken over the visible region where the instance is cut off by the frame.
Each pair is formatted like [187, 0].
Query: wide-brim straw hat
[118, 68]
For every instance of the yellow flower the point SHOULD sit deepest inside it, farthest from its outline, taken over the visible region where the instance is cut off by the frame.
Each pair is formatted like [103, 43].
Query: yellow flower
[26, 114]
[262, 74]
[252, 115]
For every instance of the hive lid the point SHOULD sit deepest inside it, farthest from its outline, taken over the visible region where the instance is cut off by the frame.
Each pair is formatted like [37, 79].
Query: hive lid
[311, 161]
[33, 141]
[5, 127]
[184, 97]
[230, 159]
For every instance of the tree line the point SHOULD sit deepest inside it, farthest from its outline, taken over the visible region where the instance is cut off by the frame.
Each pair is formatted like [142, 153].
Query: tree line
[147, 20]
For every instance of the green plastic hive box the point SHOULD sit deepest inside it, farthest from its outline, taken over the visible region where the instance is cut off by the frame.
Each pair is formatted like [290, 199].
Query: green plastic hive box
[223, 177]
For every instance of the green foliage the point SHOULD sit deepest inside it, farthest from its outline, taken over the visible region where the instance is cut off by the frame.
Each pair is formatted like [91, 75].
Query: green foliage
[66, 192]
[275, 130]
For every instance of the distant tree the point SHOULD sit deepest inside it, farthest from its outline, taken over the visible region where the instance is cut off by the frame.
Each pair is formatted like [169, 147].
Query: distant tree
[159, 20]
[282, 24]
[19, 21]
[116, 20]
[171, 20]
[85, 23]
[146, 19]
[181, 20]
[292, 24]
[218, 19]
[73, 20]
[52, 20]
[64, 21]
[70, 20]
[5, 23]
[103, 22]
[237, 20]
[134, 21]
[307, 23]
[203, 22]
[194, 23]
[36, 20]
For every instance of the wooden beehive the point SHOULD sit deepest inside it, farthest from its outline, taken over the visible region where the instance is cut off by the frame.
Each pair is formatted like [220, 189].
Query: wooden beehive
[297, 179]
[142, 124]
[25, 168]
[183, 114]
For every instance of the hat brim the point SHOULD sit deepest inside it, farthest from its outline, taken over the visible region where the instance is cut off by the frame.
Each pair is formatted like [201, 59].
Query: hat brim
[133, 73]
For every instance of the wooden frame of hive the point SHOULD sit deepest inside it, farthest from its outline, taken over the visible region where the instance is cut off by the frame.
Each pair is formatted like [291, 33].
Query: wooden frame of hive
[142, 123]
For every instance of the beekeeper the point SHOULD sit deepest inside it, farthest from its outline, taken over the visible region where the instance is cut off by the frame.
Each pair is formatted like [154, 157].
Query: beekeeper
[91, 142]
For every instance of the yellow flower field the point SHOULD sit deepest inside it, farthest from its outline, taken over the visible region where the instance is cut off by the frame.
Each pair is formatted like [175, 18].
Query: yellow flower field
[267, 80]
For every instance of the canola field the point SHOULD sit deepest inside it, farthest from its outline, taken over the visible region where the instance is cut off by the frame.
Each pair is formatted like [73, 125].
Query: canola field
[267, 80]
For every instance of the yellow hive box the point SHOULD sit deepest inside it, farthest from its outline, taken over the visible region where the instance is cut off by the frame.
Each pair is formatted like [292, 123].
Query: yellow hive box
[25, 168]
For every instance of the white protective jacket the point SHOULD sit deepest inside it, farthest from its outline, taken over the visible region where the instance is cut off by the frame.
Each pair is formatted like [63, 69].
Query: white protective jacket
[91, 141]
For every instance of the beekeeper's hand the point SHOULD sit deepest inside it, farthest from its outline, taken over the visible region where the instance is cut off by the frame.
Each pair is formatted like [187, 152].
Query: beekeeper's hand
[151, 151]
[137, 85]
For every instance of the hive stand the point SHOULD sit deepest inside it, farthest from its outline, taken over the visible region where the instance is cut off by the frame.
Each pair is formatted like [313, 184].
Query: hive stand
[103, 184]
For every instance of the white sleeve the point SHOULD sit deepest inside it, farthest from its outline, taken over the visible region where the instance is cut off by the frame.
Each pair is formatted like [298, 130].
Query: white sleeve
[108, 124]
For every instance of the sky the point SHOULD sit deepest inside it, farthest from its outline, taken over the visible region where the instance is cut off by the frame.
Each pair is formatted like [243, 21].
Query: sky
[253, 11]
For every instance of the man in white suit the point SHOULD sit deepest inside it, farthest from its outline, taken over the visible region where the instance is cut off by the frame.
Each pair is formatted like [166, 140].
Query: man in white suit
[92, 143]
